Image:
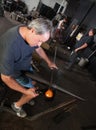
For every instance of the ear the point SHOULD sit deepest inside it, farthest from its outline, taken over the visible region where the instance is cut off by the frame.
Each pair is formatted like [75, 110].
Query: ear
[32, 30]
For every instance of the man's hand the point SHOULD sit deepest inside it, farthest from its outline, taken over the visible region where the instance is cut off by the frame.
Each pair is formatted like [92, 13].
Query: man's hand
[32, 91]
[76, 50]
[52, 65]
[81, 47]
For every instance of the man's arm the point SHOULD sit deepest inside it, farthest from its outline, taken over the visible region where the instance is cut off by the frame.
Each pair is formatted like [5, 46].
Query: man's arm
[43, 55]
[59, 24]
[11, 83]
[81, 47]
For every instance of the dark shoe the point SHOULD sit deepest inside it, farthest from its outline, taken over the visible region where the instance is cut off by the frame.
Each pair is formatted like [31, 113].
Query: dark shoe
[68, 68]
[92, 78]
[32, 102]
[19, 111]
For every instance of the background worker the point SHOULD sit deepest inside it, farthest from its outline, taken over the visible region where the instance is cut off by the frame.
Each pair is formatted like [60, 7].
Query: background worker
[80, 46]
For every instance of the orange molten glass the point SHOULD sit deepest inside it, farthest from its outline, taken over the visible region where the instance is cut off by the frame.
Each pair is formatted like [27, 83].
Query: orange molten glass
[49, 93]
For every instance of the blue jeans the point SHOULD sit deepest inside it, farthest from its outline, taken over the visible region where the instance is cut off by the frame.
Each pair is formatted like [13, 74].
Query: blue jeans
[25, 81]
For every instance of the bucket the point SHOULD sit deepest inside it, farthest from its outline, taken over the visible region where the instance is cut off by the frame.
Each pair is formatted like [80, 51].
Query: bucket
[83, 62]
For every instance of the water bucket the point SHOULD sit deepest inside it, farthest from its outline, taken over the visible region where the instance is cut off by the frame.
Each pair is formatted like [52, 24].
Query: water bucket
[83, 62]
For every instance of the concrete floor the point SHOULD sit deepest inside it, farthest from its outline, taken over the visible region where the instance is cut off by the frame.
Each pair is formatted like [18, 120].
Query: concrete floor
[81, 117]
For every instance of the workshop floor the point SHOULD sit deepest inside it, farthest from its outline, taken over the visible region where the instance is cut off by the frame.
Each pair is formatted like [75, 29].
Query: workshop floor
[53, 115]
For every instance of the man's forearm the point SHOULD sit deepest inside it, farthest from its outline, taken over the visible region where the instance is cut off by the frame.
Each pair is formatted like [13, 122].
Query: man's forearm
[13, 84]
[43, 55]
[81, 47]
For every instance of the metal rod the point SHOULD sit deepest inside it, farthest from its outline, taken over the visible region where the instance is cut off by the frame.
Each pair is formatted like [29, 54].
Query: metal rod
[37, 78]
[43, 81]
[67, 92]
[91, 54]
[52, 71]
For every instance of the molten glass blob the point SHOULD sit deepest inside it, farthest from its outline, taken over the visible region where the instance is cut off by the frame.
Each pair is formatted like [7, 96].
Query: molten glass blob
[49, 93]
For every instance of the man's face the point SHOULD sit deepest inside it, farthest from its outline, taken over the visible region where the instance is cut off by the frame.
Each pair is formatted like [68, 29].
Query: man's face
[91, 32]
[34, 39]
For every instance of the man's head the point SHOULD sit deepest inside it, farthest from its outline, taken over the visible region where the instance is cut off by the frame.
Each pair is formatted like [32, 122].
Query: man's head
[65, 20]
[92, 32]
[39, 31]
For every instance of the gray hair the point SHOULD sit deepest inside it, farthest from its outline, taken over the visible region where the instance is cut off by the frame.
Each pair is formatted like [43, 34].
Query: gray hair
[41, 25]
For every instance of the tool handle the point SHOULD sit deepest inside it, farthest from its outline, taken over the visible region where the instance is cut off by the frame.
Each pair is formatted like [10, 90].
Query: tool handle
[91, 54]
[52, 71]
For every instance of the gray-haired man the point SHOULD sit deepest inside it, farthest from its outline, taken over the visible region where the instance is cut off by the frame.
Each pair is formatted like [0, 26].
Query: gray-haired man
[16, 48]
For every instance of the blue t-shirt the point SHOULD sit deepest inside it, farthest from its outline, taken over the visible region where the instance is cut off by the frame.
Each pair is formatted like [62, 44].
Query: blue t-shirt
[85, 39]
[15, 53]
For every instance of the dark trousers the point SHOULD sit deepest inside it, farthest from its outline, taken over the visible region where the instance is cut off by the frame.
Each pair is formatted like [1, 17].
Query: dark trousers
[72, 59]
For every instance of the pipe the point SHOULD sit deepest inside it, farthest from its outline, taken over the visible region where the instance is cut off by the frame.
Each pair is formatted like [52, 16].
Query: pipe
[41, 80]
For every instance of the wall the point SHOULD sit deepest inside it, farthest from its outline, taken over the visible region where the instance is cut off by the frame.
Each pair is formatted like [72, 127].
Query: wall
[31, 3]
[34, 3]
[85, 13]
[82, 13]
[90, 20]
[51, 3]
[72, 8]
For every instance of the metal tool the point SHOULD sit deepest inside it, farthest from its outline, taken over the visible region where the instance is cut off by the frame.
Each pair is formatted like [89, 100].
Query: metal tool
[50, 93]
[54, 86]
